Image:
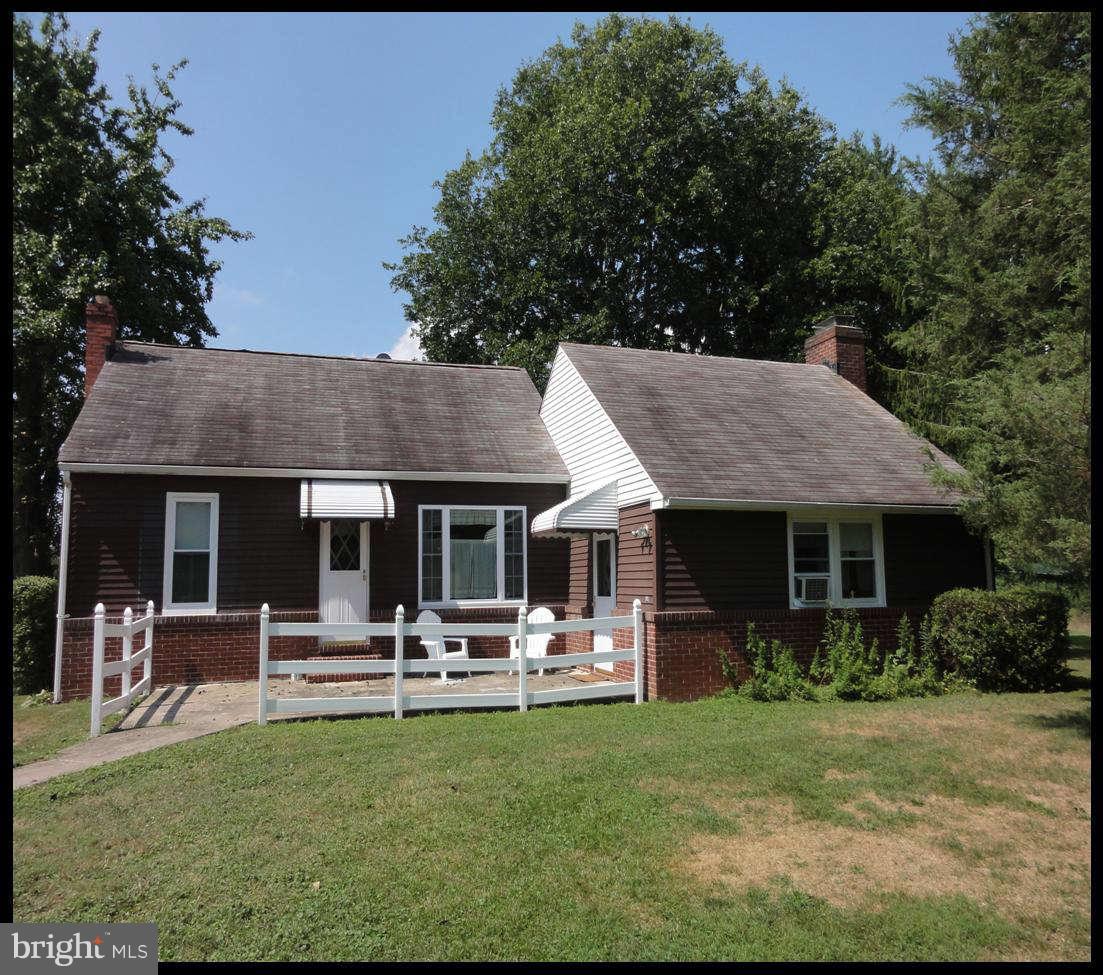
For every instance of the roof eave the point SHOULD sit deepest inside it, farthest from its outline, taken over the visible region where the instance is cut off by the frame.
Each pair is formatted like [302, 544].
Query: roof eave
[526, 477]
[751, 504]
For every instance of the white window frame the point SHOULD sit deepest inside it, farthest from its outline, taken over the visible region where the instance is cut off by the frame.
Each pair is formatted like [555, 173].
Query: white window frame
[210, 606]
[834, 557]
[611, 537]
[446, 555]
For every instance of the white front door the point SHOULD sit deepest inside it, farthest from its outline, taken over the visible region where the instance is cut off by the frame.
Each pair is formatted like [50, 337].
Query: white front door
[343, 572]
[605, 589]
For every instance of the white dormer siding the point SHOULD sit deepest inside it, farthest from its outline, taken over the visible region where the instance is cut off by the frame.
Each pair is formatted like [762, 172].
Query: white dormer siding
[590, 445]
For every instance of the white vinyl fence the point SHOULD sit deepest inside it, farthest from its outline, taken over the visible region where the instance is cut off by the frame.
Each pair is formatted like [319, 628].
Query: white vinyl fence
[401, 702]
[144, 657]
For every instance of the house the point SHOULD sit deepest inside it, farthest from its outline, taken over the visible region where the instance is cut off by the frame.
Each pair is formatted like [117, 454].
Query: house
[715, 490]
[721, 491]
[214, 481]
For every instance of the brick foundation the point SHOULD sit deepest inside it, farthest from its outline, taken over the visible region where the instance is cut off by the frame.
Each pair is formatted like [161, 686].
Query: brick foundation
[225, 647]
[186, 649]
[682, 648]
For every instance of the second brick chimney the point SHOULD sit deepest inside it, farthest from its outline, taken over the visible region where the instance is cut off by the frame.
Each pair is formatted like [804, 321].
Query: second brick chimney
[841, 347]
[101, 327]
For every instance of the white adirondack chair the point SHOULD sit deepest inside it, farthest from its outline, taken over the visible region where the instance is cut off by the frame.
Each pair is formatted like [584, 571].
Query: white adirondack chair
[537, 644]
[435, 647]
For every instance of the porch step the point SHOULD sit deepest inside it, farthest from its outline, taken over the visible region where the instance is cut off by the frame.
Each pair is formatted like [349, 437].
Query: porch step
[341, 649]
[341, 653]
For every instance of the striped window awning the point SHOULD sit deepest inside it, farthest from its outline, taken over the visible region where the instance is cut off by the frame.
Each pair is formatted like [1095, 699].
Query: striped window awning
[592, 510]
[359, 500]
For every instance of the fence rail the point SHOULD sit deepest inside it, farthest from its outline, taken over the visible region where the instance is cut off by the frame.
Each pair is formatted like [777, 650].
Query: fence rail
[399, 702]
[130, 692]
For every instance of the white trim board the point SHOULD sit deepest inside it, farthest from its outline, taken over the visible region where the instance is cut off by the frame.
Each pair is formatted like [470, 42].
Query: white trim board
[300, 472]
[740, 504]
[834, 561]
[446, 556]
[210, 606]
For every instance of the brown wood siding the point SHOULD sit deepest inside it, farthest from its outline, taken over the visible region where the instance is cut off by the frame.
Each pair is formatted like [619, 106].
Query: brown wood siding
[116, 542]
[636, 558]
[394, 543]
[928, 554]
[266, 552]
[733, 560]
[724, 560]
[580, 585]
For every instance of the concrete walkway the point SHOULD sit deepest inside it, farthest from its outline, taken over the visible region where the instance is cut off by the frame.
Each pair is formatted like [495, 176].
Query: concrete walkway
[177, 713]
[168, 715]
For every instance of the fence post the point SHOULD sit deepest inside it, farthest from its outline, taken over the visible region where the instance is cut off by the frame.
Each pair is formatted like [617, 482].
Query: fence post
[97, 669]
[399, 647]
[522, 658]
[262, 678]
[147, 667]
[637, 628]
[128, 650]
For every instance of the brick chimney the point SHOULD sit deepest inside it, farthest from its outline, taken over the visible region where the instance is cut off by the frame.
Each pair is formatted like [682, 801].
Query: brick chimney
[101, 326]
[841, 347]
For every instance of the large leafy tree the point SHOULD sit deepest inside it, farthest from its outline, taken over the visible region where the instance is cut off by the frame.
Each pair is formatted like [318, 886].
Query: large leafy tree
[642, 189]
[998, 360]
[93, 213]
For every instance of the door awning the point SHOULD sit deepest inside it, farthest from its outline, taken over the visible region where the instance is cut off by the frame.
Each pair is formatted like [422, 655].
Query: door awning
[359, 500]
[593, 510]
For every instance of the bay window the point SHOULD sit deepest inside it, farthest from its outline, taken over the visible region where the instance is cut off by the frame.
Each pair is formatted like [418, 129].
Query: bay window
[835, 560]
[191, 553]
[473, 555]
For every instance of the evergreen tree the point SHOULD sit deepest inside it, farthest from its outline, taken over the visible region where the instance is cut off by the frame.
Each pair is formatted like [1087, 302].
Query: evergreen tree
[999, 284]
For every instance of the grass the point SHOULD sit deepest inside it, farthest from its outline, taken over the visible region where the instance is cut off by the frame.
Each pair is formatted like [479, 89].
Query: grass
[946, 828]
[41, 730]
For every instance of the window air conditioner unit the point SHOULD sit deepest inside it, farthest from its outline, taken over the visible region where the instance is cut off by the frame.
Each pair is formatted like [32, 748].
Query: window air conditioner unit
[812, 588]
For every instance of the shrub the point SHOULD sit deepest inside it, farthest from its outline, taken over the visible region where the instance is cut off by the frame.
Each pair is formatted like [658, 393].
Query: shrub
[730, 671]
[775, 674]
[853, 671]
[1013, 639]
[34, 613]
[842, 660]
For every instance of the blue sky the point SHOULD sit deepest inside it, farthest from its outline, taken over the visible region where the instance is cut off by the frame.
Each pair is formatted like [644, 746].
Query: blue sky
[323, 133]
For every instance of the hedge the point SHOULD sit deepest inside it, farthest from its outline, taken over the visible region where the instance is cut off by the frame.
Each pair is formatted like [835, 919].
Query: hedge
[1013, 639]
[34, 613]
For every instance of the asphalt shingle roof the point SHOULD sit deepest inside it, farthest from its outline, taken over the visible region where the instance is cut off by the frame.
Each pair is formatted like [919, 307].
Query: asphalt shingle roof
[166, 405]
[751, 430]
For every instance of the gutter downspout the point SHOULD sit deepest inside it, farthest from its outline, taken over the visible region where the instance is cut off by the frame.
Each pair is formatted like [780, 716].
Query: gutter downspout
[62, 573]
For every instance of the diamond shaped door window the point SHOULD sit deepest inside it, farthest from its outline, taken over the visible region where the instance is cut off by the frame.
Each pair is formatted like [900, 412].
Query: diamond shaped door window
[344, 546]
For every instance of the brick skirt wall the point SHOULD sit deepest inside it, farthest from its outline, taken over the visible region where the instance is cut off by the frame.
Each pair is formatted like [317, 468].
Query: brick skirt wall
[226, 646]
[186, 649]
[583, 642]
[682, 649]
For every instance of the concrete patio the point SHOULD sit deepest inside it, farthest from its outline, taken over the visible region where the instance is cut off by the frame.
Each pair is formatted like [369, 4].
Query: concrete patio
[179, 712]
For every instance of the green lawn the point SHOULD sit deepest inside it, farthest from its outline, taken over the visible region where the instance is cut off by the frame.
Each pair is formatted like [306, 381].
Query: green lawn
[41, 730]
[955, 827]
[1080, 659]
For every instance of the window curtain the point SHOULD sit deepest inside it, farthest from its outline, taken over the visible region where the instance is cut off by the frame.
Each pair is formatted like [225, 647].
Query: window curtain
[474, 568]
